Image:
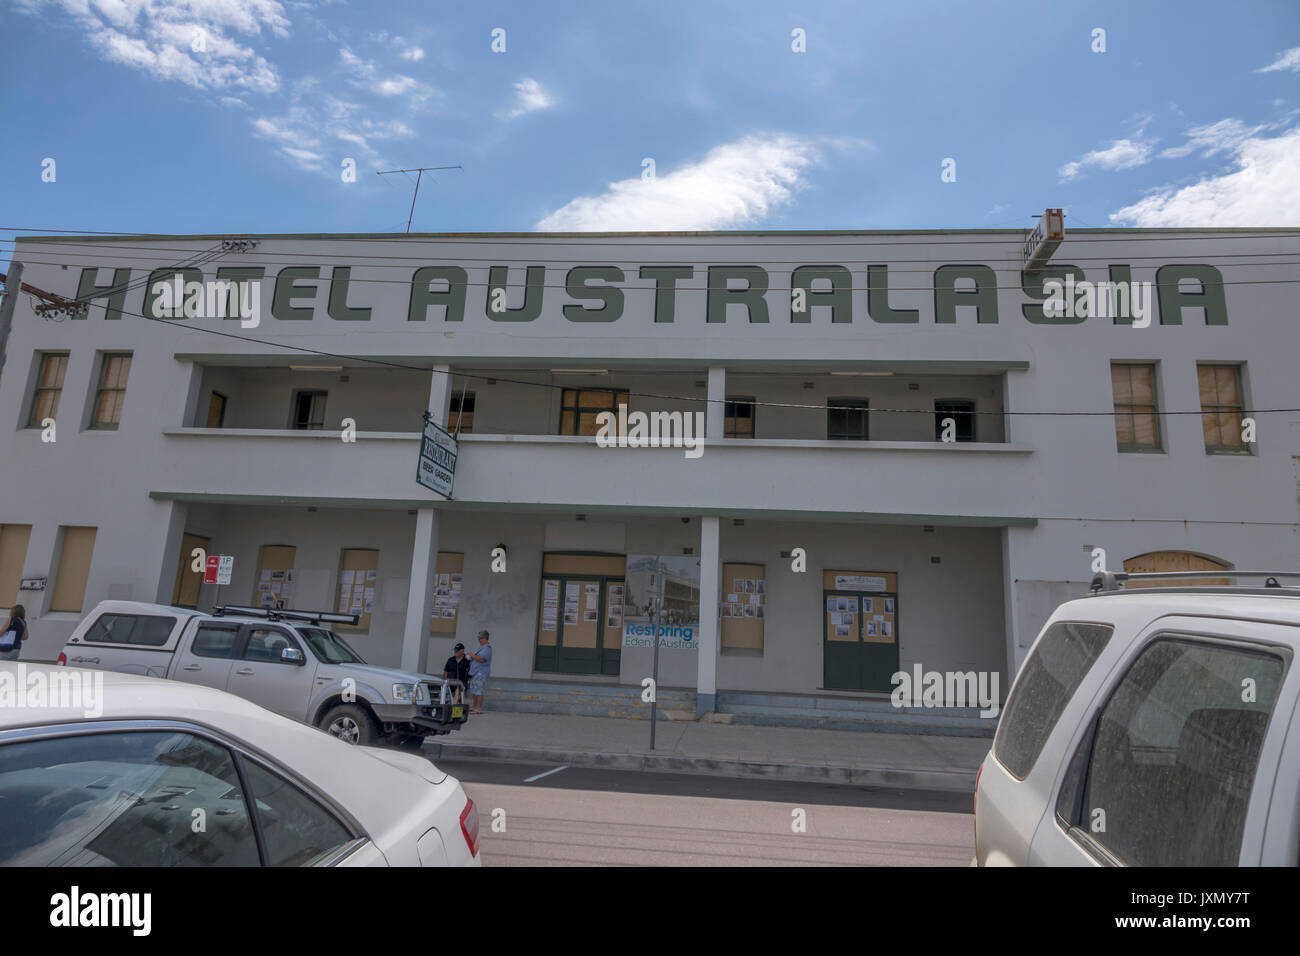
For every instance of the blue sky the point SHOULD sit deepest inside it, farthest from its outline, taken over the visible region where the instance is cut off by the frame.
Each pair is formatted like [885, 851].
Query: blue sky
[1191, 116]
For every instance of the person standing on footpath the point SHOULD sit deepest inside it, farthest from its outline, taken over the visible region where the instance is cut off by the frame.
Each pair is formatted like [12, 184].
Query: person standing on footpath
[480, 668]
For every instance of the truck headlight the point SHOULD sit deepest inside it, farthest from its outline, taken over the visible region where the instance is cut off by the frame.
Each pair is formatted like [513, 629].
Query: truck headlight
[404, 693]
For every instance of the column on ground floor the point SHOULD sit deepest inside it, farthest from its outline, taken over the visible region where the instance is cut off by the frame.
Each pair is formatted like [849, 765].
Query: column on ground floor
[424, 554]
[706, 687]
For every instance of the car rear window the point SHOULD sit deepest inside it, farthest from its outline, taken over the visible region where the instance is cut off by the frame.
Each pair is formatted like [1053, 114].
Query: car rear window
[1050, 677]
[144, 629]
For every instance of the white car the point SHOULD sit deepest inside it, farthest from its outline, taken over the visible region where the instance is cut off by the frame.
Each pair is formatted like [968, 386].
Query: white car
[104, 769]
[1154, 727]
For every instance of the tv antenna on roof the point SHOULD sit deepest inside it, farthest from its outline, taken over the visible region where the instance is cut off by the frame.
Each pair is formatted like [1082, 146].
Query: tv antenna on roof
[419, 171]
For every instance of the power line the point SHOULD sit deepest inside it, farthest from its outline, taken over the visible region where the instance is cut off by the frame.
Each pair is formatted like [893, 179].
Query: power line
[679, 287]
[924, 237]
[676, 398]
[391, 261]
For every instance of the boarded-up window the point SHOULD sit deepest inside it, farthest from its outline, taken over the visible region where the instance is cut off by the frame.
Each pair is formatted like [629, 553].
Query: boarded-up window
[274, 584]
[1158, 561]
[74, 567]
[738, 419]
[1137, 420]
[744, 606]
[446, 592]
[357, 580]
[460, 418]
[216, 411]
[185, 591]
[49, 386]
[13, 553]
[1222, 406]
[112, 390]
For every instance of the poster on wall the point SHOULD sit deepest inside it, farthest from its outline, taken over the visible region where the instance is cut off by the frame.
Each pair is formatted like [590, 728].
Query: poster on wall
[679, 619]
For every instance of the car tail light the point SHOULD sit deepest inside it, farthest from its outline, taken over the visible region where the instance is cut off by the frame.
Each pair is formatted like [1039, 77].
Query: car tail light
[469, 826]
[63, 659]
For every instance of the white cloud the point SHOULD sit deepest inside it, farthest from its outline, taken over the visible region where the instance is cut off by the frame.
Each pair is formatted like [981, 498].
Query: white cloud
[1286, 60]
[1226, 134]
[1264, 190]
[412, 53]
[1120, 154]
[367, 76]
[736, 184]
[530, 97]
[185, 41]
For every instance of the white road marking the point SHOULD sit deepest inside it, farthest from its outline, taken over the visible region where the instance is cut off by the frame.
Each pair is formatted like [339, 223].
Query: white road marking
[546, 774]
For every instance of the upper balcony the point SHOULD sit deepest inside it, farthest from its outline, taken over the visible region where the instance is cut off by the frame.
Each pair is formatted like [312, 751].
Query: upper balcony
[804, 444]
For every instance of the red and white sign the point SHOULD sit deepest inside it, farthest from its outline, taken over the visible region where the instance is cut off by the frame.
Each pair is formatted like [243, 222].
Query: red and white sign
[218, 568]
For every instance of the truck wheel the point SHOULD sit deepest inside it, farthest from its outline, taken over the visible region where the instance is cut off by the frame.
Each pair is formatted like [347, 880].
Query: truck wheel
[350, 723]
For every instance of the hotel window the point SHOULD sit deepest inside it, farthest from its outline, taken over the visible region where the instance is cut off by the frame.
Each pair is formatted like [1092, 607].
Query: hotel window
[49, 386]
[580, 406]
[739, 422]
[113, 372]
[1137, 418]
[13, 554]
[74, 568]
[216, 411]
[461, 416]
[962, 414]
[308, 410]
[846, 419]
[1222, 407]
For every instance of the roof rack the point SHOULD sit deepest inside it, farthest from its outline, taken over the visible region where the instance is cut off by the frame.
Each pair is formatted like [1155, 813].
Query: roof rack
[1114, 580]
[280, 614]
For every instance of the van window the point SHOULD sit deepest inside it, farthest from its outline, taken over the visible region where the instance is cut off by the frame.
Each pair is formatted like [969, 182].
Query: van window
[1051, 675]
[142, 629]
[1172, 762]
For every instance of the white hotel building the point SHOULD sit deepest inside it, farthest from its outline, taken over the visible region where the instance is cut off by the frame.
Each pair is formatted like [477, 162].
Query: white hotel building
[822, 434]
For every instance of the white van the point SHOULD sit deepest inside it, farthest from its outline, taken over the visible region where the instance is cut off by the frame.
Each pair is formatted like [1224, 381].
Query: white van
[1152, 727]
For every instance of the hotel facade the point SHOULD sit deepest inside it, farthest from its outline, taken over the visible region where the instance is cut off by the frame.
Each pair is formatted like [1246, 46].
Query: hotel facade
[911, 452]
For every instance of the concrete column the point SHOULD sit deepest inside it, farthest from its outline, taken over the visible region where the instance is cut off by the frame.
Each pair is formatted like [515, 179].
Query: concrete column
[715, 419]
[440, 393]
[706, 685]
[424, 552]
[419, 600]
[173, 532]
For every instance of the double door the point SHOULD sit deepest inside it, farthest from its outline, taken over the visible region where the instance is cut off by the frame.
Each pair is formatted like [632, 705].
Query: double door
[580, 613]
[860, 630]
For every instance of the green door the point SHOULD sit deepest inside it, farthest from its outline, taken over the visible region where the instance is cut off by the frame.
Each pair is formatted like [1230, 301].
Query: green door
[860, 640]
[578, 634]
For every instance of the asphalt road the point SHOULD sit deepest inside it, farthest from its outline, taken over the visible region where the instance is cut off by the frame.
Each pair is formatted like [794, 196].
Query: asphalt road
[536, 815]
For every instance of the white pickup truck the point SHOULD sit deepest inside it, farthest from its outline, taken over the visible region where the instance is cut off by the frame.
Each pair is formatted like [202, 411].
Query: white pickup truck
[287, 661]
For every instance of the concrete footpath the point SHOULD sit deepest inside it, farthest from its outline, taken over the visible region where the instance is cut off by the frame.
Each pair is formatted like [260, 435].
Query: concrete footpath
[914, 761]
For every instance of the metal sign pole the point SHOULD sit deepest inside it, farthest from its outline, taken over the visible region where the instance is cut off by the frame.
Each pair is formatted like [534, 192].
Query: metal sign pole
[654, 629]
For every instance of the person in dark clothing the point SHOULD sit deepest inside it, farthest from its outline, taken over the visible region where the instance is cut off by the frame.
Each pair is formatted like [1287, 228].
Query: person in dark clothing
[15, 631]
[457, 668]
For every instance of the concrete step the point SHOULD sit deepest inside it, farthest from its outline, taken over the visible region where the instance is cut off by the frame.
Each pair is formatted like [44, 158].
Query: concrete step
[846, 713]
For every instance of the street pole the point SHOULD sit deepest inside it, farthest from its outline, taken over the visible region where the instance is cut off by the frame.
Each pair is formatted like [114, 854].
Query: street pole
[654, 629]
[13, 283]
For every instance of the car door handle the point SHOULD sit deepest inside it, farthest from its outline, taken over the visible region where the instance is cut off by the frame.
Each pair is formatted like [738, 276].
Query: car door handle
[192, 667]
[85, 660]
[245, 670]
